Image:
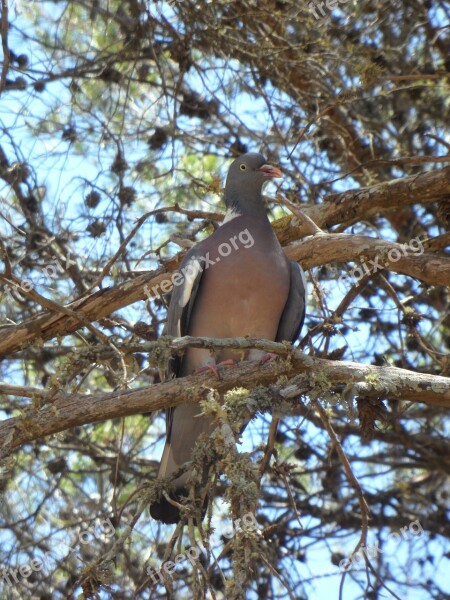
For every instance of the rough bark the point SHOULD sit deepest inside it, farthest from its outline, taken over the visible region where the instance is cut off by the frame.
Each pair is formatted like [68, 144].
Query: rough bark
[64, 412]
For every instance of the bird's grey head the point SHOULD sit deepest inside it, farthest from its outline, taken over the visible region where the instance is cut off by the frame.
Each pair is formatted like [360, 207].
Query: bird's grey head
[245, 179]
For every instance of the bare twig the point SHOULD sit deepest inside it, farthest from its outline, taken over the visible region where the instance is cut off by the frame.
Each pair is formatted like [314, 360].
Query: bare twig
[363, 506]
[307, 222]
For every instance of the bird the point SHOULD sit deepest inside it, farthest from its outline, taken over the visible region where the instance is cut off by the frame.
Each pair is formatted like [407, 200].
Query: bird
[237, 282]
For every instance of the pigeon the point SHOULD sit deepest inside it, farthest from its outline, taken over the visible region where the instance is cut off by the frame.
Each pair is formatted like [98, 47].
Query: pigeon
[235, 283]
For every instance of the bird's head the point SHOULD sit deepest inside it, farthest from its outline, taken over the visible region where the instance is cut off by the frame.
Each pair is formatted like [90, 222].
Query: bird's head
[252, 168]
[245, 179]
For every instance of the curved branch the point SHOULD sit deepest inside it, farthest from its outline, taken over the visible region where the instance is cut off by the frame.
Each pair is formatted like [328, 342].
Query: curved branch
[424, 188]
[399, 258]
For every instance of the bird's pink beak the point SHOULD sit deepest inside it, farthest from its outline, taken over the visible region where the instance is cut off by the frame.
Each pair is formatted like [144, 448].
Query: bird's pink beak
[270, 172]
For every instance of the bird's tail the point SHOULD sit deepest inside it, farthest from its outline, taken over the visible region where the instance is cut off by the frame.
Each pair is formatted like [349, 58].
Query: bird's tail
[183, 429]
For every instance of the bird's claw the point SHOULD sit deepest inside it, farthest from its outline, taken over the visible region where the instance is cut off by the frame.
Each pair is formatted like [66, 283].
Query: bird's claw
[214, 368]
[267, 356]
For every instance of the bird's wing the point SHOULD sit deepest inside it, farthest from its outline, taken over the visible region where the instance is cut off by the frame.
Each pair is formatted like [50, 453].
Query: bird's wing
[294, 311]
[180, 309]
[186, 285]
[182, 301]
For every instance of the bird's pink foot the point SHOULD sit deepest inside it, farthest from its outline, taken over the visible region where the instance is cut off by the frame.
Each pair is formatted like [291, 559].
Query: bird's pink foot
[213, 368]
[267, 356]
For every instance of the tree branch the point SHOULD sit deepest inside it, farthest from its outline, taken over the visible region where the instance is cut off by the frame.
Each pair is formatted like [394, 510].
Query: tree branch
[66, 412]
[6, 54]
[344, 247]
[424, 188]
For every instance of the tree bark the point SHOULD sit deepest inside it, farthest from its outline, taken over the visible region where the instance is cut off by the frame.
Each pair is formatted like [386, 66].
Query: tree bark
[65, 412]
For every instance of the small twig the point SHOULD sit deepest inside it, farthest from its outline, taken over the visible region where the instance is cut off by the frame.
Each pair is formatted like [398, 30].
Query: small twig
[365, 512]
[306, 221]
[55, 307]
[269, 447]
[419, 77]
[364, 508]
[129, 499]
[292, 499]
[116, 468]
[402, 161]
[4, 255]
[120, 250]
[378, 576]
[308, 126]
[278, 576]
[9, 389]
[21, 231]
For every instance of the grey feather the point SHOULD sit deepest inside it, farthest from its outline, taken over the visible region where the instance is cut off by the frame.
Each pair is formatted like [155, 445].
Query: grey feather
[182, 303]
[291, 320]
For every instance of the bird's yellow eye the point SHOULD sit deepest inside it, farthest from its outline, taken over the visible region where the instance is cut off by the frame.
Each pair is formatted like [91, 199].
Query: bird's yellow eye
[243, 167]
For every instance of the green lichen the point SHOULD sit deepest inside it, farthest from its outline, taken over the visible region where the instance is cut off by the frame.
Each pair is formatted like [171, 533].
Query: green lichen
[238, 408]
[211, 405]
[160, 354]
[373, 378]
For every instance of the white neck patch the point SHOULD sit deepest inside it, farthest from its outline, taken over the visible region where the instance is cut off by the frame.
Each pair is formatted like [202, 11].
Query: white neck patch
[230, 215]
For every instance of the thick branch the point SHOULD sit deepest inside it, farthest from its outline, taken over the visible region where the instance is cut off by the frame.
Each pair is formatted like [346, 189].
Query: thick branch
[69, 411]
[424, 188]
[399, 258]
